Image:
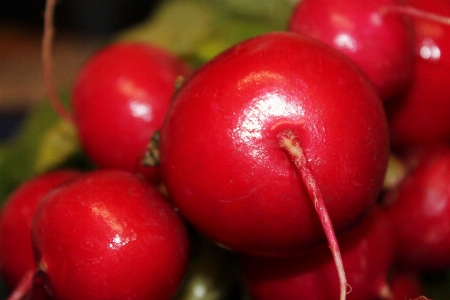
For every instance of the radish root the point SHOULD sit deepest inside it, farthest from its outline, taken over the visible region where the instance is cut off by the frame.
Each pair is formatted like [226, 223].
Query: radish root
[47, 64]
[290, 142]
[416, 13]
[23, 287]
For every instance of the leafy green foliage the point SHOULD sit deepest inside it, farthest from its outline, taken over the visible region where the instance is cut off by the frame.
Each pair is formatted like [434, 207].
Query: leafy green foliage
[43, 142]
[200, 29]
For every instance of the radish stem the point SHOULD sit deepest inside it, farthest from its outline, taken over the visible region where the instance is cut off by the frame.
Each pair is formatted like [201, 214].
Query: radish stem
[414, 12]
[23, 287]
[47, 64]
[290, 142]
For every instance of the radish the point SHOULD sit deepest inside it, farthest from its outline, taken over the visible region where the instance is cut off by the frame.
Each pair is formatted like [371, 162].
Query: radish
[368, 252]
[16, 253]
[119, 99]
[109, 235]
[381, 43]
[421, 115]
[244, 130]
[419, 208]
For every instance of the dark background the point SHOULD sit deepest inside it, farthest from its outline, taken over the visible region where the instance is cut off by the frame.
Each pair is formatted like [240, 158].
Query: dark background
[94, 17]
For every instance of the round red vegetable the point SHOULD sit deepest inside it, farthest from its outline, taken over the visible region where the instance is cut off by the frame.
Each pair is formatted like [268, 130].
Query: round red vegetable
[420, 209]
[378, 41]
[109, 235]
[120, 98]
[16, 253]
[421, 115]
[223, 165]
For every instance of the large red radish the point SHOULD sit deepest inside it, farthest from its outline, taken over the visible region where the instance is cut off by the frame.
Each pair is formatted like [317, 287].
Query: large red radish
[265, 129]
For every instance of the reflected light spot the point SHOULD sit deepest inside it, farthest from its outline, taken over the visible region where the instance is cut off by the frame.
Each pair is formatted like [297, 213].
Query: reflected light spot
[429, 50]
[259, 77]
[344, 40]
[138, 99]
[436, 202]
[199, 291]
[267, 106]
[100, 210]
[376, 19]
[250, 126]
[118, 241]
[341, 21]
[141, 110]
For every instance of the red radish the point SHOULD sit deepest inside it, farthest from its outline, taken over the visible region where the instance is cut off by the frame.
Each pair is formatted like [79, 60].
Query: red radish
[380, 43]
[120, 98]
[16, 253]
[421, 116]
[368, 252]
[419, 208]
[109, 235]
[226, 170]
[220, 156]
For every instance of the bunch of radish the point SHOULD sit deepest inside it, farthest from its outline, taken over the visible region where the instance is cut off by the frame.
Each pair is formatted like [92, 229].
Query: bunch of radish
[281, 150]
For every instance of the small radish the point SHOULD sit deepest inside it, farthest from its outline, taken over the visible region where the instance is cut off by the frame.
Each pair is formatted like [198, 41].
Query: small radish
[421, 115]
[419, 208]
[381, 43]
[16, 253]
[368, 252]
[263, 130]
[109, 235]
[119, 99]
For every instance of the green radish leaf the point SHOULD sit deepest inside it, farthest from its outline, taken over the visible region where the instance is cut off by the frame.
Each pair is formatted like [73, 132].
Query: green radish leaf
[177, 25]
[58, 143]
[200, 29]
[43, 142]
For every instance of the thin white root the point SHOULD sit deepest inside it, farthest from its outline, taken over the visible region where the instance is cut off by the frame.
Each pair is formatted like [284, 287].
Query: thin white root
[290, 142]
